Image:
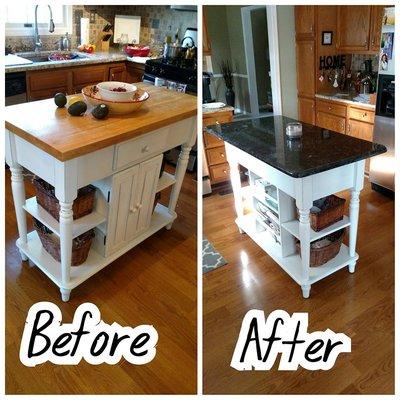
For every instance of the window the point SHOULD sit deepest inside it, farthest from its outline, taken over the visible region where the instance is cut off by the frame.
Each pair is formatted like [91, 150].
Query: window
[20, 19]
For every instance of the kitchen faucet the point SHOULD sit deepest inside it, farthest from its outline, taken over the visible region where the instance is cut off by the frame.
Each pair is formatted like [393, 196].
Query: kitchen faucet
[38, 42]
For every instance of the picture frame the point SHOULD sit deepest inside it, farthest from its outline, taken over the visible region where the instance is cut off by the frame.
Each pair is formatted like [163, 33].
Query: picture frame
[326, 39]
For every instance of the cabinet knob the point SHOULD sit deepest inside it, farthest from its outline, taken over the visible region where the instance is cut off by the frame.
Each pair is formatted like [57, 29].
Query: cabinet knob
[224, 171]
[329, 108]
[364, 115]
[145, 149]
[222, 155]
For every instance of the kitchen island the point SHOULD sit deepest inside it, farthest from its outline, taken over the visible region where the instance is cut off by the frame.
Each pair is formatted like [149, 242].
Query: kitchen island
[120, 155]
[300, 171]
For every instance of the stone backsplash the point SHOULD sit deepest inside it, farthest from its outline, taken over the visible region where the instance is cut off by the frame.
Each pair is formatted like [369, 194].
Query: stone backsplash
[156, 23]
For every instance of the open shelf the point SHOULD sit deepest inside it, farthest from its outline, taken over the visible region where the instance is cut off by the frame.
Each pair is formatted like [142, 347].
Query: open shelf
[293, 228]
[292, 263]
[79, 226]
[95, 262]
[166, 180]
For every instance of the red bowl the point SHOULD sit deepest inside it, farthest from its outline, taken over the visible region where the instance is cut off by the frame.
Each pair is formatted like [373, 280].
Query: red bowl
[137, 51]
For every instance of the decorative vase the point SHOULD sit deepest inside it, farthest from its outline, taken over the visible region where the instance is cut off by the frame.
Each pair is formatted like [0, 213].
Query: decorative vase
[230, 97]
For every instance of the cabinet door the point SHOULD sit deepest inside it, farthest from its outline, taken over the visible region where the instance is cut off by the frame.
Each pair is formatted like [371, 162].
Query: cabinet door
[331, 122]
[304, 20]
[122, 215]
[117, 73]
[361, 130]
[90, 75]
[376, 28]
[142, 197]
[353, 24]
[306, 109]
[305, 68]
[206, 40]
[134, 73]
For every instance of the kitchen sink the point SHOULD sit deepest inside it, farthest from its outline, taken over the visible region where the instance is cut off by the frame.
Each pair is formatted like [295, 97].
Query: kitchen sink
[44, 57]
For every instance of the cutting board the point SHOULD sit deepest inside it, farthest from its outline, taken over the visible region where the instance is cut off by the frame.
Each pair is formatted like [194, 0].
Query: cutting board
[12, 59]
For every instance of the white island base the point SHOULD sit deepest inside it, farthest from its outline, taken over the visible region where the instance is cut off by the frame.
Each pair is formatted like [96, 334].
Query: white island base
[291, 193]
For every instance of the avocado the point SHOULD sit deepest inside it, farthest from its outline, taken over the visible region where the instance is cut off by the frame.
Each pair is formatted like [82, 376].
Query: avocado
[78, 108]
[100, 111]
[60, 99]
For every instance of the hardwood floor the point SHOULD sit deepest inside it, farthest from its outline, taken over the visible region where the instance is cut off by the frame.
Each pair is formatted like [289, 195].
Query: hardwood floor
[155, 283]
[360, 305]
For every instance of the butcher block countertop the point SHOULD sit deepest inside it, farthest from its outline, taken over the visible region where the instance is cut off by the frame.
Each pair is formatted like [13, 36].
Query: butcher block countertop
[65, 137]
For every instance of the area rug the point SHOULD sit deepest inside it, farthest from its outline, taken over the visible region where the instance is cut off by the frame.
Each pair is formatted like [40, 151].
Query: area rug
[211, 258]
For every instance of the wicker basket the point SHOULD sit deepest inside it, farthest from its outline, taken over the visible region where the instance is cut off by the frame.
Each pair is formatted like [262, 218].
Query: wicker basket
[51, 243]
[83, 204]
[321, 255]
[332, 210]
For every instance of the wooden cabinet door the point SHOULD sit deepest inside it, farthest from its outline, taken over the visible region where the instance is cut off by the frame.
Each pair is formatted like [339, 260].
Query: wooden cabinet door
[375, 28]
[353, 26]
[121, 214]
[331, 122]
[305, 68]
[118, 73]
[143, 195]
[206, 40]
[361, 130]
[134, 73]
[304, 20]
[306, 109]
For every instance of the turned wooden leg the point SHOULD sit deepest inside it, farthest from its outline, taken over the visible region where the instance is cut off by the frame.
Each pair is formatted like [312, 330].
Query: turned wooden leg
[66, 220]
[354, 211]
[237, 188]
[65, 294]
[304, 233]
[18, 191]
[179, 175]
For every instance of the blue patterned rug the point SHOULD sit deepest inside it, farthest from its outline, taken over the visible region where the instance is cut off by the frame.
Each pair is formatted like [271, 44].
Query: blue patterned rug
[211, 258]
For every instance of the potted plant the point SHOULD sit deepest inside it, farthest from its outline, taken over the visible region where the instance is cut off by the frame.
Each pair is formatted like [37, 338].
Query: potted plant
[227, 74]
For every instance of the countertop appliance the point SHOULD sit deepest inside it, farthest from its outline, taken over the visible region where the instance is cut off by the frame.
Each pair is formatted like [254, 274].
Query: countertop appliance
[15, 88]
[180, 71]
[382, 167]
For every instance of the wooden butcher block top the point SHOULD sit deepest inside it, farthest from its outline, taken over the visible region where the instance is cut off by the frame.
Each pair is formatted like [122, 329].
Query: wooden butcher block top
[65, 137]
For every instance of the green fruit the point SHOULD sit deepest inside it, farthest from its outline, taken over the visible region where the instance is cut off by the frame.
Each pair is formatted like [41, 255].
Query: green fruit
[78, 108]
[100, 111]
[60, 99]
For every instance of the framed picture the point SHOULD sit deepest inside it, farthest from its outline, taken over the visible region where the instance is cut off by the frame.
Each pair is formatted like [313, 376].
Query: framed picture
[327, 38]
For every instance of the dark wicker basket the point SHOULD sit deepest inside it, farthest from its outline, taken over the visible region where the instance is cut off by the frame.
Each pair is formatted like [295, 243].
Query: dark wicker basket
[319, 256]
[51, 243]
[332, 210]
[83, 204]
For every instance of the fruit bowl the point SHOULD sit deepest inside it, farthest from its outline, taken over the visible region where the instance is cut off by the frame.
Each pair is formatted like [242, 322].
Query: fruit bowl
[137, 51]
[93, 97]
[116, 91]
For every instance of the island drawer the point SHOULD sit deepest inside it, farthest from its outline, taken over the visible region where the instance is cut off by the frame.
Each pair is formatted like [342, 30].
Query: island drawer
[331, 108]
[216, 155]
[217, 118]
[211, 140]
[219, 173]
[362, 114]
[127, 153]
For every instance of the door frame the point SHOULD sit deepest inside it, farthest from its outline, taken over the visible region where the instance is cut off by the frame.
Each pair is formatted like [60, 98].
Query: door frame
[272, 28]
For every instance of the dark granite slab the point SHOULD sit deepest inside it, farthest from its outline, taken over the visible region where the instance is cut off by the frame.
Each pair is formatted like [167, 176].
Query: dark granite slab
[316, 151]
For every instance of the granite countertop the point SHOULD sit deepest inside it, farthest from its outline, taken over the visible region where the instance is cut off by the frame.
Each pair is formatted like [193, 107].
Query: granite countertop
[86, 59]
[316, 151]
[344, 98]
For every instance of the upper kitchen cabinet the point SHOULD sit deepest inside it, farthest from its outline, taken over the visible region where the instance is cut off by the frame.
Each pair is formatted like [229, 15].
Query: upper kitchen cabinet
[206, 40]
[305, 22]
[359, 29]
[305, 55]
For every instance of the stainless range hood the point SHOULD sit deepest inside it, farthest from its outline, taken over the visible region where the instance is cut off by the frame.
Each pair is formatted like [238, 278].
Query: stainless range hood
[183, 8]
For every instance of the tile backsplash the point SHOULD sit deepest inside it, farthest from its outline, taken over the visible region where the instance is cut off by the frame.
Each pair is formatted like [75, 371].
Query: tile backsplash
[357, 62]
[156, 23]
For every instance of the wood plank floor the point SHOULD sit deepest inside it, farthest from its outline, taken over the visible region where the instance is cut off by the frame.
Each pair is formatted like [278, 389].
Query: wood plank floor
[155, 283]
[360, 305]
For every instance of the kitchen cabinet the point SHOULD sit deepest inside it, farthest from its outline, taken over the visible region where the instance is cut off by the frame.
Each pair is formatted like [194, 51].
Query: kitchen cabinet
[331, 122]
[134, 72]
[132, 198]
[304, 22]
[88, 75]
[45, 84]
[305, 56]
[359, 129]
[359, 29]
[306, 110]
[118, 73]
[206, 40]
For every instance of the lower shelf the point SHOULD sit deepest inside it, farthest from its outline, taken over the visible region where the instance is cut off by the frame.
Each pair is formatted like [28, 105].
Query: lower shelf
[95, 262]
[292, 264]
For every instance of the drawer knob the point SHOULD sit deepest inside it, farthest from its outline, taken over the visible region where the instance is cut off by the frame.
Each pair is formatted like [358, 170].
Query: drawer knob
[329, 108]
[145, 149]
[224, 171]
[222, 155]
[364, 115]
